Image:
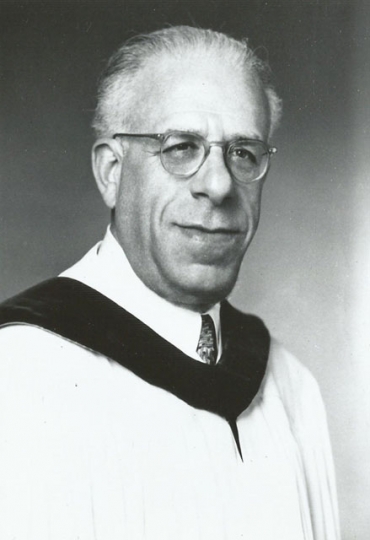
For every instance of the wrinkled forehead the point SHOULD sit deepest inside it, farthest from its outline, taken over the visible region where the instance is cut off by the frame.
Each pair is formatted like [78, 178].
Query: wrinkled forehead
[196, 84]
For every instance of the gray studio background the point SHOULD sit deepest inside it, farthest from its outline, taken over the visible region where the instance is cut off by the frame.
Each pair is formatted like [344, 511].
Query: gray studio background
[307, 274]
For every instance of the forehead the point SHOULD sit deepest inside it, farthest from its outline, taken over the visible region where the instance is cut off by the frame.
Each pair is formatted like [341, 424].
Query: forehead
[200, 93]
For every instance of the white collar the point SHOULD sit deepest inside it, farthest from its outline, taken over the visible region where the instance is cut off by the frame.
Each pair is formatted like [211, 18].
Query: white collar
[106, 269]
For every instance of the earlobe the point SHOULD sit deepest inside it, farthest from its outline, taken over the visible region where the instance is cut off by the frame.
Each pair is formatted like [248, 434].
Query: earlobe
[107, 157]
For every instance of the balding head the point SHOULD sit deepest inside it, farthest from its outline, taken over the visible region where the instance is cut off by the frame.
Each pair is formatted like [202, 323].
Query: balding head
[125, 74]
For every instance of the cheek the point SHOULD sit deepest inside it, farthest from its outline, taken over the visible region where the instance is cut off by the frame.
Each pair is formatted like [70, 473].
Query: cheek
[135, 221]
[141, 211]
[251, 203]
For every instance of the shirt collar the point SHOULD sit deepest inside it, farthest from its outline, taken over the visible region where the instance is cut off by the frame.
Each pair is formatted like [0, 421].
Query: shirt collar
[107, 269]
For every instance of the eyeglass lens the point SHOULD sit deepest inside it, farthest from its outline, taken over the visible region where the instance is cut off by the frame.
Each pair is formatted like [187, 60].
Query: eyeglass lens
[184, 153]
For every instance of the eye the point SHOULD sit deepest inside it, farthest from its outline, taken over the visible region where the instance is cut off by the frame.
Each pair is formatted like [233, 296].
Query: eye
[180, 147]
[243, 153]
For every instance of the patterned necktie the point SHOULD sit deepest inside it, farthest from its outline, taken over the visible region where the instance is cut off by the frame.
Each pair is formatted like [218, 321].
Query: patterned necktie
[207, 346]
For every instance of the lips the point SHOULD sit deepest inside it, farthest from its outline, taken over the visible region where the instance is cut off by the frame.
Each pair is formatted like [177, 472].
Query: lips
[201, 229]
[217, 238]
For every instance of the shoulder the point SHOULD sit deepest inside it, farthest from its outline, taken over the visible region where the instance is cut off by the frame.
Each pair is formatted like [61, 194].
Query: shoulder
[29, 353]
[20, 338]
[298, 390]
[287, 370]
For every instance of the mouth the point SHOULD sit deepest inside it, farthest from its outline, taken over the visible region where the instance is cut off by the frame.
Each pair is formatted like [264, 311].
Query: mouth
[203, 233]
[209, 230]
[210, 245]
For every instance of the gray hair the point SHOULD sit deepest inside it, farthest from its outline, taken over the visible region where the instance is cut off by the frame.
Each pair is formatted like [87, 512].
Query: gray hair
[117, 91]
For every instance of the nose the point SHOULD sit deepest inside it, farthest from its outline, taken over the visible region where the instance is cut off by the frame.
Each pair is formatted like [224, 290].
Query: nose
[213, 180]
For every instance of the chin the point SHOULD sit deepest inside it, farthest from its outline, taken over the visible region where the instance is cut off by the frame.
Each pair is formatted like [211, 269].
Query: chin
[208, 287]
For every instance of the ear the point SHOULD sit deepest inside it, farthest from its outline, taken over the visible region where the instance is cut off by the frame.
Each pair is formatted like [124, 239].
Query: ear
[107, 158]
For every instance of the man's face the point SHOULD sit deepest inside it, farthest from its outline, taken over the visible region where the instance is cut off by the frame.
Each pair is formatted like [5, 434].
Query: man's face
[186, 237]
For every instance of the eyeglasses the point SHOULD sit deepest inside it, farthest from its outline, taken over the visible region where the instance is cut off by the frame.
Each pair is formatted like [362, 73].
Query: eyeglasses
[182, 154]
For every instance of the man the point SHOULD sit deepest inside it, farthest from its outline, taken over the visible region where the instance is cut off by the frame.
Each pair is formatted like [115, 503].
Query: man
[136, 402]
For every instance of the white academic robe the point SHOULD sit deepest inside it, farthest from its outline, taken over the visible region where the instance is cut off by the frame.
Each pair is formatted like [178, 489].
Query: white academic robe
[90, 451]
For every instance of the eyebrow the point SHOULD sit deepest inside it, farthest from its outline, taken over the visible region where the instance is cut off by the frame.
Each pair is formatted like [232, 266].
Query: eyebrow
[187, 130]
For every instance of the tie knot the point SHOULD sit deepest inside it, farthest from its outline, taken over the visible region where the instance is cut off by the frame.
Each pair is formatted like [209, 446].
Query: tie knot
[207, 346]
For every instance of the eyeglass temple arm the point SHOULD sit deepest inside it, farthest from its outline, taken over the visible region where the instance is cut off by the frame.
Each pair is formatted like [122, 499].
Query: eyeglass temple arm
[147, 135]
